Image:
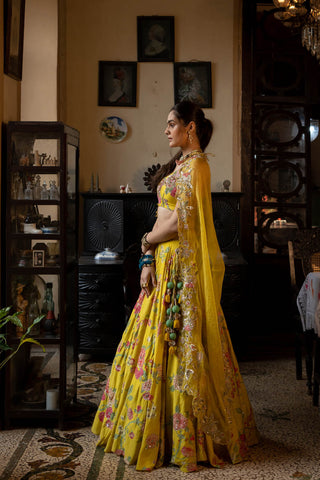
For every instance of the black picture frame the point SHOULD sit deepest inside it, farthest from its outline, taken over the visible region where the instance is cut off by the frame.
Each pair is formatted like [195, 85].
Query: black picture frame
[14, 12]
[38, 258]
[155, 39]
[192, 81]
[117, 84]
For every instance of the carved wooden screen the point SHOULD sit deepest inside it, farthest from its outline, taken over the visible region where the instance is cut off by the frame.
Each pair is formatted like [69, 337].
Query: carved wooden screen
[280, 78]
[280, 175]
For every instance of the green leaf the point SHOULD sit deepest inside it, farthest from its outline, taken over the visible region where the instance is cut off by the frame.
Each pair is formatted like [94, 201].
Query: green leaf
[35, 321]
[31, 340]
[25, 340]
[4, 311]
[15, 319]
[5, 347]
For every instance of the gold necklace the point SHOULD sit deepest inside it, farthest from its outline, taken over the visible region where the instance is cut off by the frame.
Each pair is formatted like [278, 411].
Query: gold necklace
[183, 158]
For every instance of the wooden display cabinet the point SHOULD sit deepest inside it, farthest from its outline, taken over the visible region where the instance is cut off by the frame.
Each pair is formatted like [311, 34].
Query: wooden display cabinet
[40, 267]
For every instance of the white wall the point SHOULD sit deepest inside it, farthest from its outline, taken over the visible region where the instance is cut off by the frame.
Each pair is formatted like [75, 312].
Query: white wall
[39, 75]
[104, 30]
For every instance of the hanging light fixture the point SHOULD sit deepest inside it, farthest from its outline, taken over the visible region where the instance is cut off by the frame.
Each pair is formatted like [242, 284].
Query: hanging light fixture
[304, 15]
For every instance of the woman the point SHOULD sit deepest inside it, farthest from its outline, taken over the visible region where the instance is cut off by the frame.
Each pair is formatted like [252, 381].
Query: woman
[175, 392]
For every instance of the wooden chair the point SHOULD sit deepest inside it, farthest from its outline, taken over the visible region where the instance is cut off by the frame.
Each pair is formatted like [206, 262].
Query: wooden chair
[305, 249]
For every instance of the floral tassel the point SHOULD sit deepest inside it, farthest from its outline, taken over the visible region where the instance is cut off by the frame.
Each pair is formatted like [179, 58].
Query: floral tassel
[173, 298]
[176, 324]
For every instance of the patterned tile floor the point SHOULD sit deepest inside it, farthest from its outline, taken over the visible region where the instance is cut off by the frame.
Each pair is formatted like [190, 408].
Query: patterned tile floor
[288, 423]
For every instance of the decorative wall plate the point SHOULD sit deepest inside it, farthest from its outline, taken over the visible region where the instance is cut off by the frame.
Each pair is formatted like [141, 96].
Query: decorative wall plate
[114, 129]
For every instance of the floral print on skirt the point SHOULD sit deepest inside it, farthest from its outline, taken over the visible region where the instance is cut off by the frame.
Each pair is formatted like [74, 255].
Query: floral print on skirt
[143, 415]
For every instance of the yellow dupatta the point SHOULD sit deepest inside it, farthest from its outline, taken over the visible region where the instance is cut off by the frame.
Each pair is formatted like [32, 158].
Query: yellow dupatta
[201, 365]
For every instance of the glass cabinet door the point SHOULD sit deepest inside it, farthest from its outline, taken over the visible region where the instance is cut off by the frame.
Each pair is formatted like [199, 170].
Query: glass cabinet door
[40, 262]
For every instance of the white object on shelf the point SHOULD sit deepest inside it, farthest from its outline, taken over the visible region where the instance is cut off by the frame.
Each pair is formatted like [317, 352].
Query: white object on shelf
[106, 254]
[52, 399]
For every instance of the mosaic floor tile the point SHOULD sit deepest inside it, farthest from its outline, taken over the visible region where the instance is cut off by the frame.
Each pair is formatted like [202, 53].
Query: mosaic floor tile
[288, 423]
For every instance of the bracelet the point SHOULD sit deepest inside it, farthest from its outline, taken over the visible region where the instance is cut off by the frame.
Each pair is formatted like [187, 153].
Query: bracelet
[148, 265]
[146, 260]
[144, 240]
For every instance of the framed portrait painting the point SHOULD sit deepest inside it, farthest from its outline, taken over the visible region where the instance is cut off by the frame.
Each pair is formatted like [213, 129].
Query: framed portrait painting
[13, 34]
[192, 81]
[155, 39]
[117, 84]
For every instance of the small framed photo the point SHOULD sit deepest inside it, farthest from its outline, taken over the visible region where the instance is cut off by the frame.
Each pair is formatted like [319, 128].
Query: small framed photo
[13, 34]
[192, 81]
[38, 258]
[117, 84]
[155, 39]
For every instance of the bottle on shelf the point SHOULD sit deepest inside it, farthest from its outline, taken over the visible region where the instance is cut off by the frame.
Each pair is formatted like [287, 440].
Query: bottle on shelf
[20, 192]
[49, 322]
[48, 304]
[44, 192]
[34, 312]
[37, 188]
[53, 191]
[28, 193]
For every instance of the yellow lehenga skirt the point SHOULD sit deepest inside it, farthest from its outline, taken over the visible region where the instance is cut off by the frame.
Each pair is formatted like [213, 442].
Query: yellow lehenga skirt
[143, 415]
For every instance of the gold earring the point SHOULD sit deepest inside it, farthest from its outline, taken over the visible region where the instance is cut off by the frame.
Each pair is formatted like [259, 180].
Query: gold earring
[190, 137]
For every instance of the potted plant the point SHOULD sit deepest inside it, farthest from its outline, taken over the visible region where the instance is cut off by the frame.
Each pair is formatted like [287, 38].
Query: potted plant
[5, 318]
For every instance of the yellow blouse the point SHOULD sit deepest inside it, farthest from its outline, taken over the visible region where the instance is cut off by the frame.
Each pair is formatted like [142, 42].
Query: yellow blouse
[167, 191]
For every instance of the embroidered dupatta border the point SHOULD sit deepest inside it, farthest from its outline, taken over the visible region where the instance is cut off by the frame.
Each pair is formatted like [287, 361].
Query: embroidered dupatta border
[201, 266]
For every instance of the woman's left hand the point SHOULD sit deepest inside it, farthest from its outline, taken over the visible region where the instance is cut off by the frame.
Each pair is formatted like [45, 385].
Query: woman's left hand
[148, 280]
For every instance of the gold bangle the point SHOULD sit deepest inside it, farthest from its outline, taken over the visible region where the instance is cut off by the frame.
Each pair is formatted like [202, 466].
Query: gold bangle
[148, 265]
[144, 240]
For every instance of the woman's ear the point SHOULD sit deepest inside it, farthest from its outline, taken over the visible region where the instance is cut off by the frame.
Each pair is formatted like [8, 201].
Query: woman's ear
[192, 126]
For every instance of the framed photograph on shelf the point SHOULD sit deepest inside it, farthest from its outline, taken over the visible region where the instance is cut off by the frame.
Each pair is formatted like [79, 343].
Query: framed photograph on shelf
[155, 39]
[192, 81]
[117, 84]
[13, 35]
[38, 258]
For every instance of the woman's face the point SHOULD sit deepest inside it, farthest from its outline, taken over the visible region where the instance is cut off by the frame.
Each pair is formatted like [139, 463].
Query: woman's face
[176, 132]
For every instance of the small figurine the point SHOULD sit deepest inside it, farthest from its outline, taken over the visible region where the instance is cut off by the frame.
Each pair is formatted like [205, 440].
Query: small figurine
[97, 189]
[128, 188]
[226, 185]
[122, 189]
[37, 159]
[24, 161]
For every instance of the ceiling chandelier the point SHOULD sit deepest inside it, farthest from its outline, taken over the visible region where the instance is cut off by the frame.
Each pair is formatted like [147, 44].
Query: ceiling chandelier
[303, 15]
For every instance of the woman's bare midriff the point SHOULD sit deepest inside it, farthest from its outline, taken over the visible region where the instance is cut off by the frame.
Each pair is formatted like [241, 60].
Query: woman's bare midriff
[164, 214]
